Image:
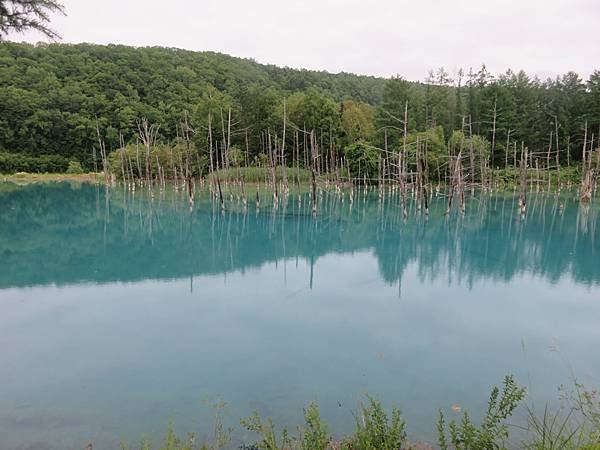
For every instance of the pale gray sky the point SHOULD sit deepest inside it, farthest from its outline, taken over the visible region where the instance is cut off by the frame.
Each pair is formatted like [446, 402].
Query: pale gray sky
[373, 37]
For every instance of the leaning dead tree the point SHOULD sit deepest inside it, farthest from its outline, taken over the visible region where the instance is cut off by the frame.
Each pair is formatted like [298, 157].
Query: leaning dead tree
[103, 155]
[523, 182]
[457, 183]
[147, 134]
[589, 173]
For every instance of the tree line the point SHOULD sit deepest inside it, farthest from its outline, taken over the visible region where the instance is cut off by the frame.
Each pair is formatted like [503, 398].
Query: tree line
[56, 98]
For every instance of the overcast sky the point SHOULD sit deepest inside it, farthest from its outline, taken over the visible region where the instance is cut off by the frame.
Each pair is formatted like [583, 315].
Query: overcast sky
[374, 37]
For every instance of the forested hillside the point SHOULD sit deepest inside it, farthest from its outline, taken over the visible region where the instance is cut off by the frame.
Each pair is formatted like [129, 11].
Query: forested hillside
[52, 97]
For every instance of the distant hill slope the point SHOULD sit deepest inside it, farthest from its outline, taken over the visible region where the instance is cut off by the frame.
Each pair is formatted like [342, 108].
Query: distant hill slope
[133, 65]
[50, 95]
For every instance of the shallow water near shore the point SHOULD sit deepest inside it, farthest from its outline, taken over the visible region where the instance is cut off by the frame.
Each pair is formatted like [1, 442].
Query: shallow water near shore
[121, 311]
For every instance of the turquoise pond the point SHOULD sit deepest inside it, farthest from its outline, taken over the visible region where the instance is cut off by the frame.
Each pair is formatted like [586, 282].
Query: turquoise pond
[121, 312]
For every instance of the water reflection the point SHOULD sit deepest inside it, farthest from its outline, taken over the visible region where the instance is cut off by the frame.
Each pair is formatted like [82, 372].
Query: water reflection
[120, 311]
[66, 234]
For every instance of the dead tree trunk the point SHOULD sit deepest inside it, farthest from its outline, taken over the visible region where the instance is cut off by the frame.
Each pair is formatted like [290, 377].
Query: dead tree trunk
[523, 194]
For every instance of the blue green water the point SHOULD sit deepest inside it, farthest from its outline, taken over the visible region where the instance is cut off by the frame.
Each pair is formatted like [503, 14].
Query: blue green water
[120, 312]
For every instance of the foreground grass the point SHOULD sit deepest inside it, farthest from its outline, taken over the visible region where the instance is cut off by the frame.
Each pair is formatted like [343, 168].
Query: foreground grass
[576, 426]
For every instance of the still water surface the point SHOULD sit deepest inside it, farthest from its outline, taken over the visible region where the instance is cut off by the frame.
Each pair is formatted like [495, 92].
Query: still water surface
[121, 312]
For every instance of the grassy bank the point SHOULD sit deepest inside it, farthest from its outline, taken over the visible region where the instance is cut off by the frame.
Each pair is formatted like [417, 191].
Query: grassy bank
[575, 425]
[505, 178]
[26, 178]
[263, 174]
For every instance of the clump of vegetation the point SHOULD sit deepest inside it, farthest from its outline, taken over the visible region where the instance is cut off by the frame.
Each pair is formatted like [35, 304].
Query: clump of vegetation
[375, 431]
[269, 438]
[18, 162]
[363, 160]
[315, 434]
[74, 167]
[493, 431]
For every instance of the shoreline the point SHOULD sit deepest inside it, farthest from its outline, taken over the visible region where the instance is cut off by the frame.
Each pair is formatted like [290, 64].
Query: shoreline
[23, 178]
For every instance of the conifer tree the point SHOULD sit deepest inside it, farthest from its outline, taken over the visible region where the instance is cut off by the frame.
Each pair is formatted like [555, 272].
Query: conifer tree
[22, 15]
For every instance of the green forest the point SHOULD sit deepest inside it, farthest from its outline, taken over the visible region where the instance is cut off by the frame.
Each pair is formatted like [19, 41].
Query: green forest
[54, 98]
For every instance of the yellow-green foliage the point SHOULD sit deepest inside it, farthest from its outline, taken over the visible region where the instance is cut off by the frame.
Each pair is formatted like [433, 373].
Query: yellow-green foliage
[172, 159]
[74, 167]
[432, 147]
[358, 121]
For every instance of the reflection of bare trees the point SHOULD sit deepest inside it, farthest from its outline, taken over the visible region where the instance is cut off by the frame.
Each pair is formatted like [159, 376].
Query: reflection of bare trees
[492, 242]
[123, 234]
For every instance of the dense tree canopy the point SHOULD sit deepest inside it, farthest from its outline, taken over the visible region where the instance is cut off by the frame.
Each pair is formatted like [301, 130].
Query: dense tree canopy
[53, 98]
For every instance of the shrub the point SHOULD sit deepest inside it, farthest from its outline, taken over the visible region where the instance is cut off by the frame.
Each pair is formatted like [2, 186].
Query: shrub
[315, 435]
[236, 156]
[74, 167]
[374, 431]
[493, 430]
[267, 433]
[363, 160]
[18, 162]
